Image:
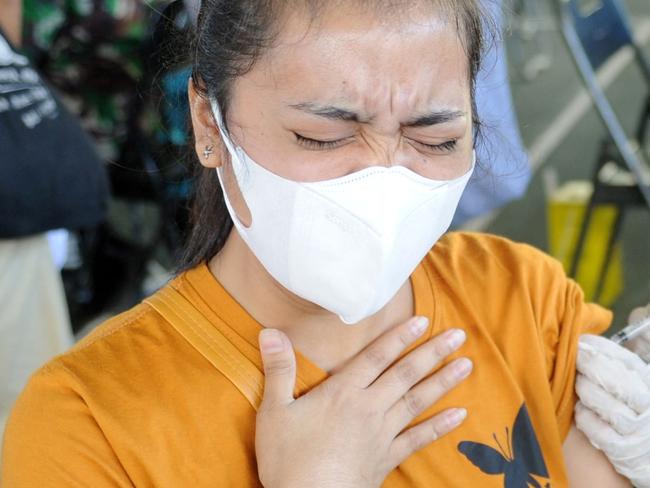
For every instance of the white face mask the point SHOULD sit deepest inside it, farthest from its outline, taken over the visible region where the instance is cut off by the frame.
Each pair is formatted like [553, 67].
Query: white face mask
[347, 244]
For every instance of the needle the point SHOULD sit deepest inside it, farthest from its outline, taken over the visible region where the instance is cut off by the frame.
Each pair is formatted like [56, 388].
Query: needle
[631, 331]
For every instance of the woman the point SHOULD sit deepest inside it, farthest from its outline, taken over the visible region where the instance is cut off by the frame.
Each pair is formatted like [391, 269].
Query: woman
[342, 133]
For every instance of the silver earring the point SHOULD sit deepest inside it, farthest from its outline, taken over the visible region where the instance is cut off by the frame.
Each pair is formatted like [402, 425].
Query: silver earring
[208, 151]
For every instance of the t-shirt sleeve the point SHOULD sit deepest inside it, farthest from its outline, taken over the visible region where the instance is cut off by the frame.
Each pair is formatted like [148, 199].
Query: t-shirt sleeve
[563, 317]
[52, 440]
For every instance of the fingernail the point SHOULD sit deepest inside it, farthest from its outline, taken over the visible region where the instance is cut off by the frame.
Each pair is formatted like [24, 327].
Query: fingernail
[455, 338]
[419, 325]
[457, 416]
[463, 368]
[271, 341]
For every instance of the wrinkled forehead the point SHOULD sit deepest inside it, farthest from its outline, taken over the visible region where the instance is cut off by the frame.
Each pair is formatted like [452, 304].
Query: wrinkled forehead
[342, 26]
[367, 57]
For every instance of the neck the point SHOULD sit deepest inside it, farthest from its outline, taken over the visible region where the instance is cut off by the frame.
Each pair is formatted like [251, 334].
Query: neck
[317, 333]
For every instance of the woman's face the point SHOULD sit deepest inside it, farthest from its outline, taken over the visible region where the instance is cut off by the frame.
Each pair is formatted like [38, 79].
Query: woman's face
[355, 90]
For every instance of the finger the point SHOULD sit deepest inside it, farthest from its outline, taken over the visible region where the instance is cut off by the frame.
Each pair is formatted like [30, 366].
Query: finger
[604, 437]
[601, 435]
[599, 346]
[616, 378]
[364, 368]
[412, 368]
[423, 434]
[617, 414]
[422, 396]
[279, 367]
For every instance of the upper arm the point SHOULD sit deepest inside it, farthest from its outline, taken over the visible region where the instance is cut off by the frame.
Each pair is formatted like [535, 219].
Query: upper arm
[563, 316]
[587, 466]
[11, 18]
[52, 439]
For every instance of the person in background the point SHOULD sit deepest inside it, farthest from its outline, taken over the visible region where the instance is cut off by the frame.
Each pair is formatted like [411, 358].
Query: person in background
[50, 178]
[503, 172]
[93, 53]
[99, 54]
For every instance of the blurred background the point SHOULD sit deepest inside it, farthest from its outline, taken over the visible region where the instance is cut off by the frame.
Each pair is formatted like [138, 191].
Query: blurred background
[563, 135]
[114, 74]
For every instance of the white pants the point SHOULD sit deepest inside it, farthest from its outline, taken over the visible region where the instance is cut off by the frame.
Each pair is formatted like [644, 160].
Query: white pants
[34, 321]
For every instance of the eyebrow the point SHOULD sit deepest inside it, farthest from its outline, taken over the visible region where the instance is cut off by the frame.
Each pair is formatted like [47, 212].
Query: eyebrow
[329, 112]
[335, 113]
[435, 118]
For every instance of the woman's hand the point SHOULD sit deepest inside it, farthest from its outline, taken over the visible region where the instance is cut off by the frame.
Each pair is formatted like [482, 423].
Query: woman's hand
[346, 432]
[614, 408]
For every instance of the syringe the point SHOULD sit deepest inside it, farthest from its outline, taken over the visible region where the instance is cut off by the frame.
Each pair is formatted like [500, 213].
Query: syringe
[631, 331]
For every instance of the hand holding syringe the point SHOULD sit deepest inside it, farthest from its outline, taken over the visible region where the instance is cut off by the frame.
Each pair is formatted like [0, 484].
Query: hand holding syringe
[613, 385]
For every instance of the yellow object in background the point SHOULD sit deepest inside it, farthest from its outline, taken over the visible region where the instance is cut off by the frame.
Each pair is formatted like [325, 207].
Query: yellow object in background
[566, 211]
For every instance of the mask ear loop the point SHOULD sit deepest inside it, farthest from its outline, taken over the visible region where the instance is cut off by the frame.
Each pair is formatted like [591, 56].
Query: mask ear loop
[216, 111]
[237, 159]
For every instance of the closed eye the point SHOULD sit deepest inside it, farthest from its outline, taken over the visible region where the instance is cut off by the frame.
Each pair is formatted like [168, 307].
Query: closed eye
[446, 146]
[318, 145]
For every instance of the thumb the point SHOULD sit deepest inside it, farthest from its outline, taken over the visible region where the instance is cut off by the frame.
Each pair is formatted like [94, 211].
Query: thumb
[279, 367]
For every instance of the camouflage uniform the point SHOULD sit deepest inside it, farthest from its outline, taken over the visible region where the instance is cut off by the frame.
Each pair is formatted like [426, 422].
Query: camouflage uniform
[93, 52]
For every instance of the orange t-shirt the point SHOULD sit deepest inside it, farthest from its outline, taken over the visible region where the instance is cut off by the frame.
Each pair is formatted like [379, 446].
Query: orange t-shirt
[134, 404]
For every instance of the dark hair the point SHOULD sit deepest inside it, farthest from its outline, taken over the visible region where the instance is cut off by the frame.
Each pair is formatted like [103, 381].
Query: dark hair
[230, 36]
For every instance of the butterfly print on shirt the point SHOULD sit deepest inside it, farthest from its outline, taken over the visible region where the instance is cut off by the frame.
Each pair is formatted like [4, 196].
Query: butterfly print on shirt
[519, 463]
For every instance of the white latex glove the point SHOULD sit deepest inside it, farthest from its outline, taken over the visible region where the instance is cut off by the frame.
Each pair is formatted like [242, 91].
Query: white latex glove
[613, 385]
[641, 344]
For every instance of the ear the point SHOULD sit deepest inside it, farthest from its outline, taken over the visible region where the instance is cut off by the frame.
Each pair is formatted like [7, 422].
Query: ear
[206, 134]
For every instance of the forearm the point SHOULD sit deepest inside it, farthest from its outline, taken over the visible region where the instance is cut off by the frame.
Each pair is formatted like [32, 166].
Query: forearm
[11, 19]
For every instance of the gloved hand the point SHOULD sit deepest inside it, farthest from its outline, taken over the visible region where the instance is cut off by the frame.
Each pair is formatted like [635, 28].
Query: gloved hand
[613, 385]
[640, 344]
